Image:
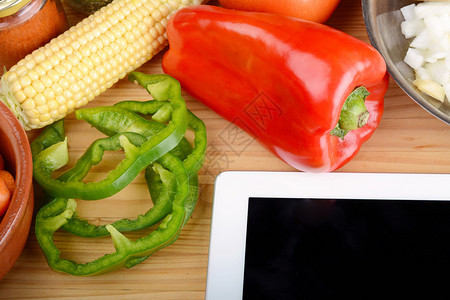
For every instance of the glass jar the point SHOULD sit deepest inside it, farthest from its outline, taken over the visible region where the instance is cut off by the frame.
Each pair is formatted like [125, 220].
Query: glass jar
[26, 25]
[88, 6]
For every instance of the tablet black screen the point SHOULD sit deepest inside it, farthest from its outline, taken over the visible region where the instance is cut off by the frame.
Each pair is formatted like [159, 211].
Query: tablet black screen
[354, 249]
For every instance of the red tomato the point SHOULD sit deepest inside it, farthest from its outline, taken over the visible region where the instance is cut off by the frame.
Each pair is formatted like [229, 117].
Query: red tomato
[312, 10]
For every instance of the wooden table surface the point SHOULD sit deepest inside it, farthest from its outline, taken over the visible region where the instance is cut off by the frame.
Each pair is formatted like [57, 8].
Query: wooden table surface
[408, 140]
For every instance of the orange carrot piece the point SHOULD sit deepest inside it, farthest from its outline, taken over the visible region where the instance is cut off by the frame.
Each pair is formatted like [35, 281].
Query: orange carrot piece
[5, 197]
[8, 179]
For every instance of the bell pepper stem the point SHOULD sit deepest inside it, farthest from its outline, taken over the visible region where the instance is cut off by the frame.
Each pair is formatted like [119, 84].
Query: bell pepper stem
[354, 113]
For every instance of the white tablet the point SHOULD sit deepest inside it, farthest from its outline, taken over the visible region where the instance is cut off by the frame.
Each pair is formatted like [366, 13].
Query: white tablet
[290, 235]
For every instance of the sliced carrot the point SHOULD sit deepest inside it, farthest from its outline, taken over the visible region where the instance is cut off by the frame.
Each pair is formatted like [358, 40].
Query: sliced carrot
[2, 162]
[5, 197]
[8, 179]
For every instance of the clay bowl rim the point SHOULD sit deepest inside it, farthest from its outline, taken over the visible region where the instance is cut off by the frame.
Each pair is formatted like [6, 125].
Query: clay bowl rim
[23, 194]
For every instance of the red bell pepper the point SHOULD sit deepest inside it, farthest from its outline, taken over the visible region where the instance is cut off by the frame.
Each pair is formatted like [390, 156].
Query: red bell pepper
[281, 79]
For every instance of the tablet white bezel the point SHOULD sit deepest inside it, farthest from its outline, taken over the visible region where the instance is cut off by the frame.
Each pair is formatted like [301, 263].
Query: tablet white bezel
[233, 189]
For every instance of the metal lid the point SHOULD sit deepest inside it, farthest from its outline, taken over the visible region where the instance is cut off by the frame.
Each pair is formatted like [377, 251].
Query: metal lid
[10, 7]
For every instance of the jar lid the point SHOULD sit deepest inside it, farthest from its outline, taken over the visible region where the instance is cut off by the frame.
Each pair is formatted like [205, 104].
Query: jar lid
[10, 7]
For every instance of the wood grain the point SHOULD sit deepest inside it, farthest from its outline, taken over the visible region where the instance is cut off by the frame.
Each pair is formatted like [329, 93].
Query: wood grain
[408, 140]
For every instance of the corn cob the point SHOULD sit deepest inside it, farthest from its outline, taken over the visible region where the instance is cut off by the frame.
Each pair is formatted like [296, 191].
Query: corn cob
[86, 60]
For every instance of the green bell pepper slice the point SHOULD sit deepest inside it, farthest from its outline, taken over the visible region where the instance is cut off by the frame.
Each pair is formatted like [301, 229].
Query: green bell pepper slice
[192, 159]
[128, 253]
[137, 158]
[172, 180]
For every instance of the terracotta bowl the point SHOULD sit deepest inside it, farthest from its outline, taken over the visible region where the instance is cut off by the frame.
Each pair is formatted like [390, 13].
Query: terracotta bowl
[15, 224]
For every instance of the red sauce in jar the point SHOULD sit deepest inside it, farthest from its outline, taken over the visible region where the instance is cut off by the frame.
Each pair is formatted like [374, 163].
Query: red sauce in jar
[29, 28]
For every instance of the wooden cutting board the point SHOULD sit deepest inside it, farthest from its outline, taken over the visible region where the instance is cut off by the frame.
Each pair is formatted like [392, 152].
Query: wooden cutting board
[408, 140]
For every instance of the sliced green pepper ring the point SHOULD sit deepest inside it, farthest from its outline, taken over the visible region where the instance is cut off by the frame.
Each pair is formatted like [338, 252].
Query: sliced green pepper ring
[162, 186]
[137, 157]
[159, 192]
[194, 160]
[128, 253]
[171, 177]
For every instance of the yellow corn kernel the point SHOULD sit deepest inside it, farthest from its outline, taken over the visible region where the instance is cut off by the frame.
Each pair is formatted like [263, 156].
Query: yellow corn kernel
[53, 76]
[60, 70]
[29, 91]
[56, 88]
[39, 70]
[29, 104]
[46, 81]
[44, 117]
[62, 108]
[43, 109]
[20, 96]
[39, 100]
[38, 86]
[49, 93]
[54, 114]
[29, 63]
[64, 83]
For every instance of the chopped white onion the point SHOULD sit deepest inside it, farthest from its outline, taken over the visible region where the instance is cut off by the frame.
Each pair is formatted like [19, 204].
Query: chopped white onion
[423, 40]
[414, 58]
[411, 28]
[422, 74]
[426, 9]
[435, 29]
[409, 12]
[438, 72]
[427, 24]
